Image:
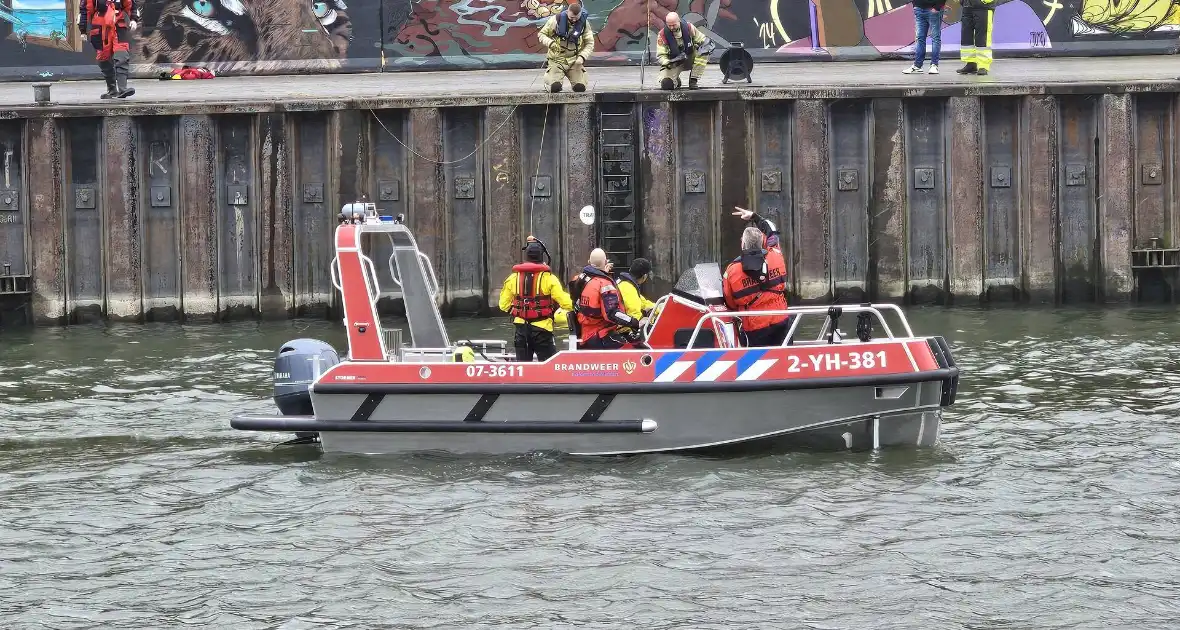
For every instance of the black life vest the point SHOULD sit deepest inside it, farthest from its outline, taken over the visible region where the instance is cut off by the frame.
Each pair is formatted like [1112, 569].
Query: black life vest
[571, 35]
[528, 304]
[675, 47]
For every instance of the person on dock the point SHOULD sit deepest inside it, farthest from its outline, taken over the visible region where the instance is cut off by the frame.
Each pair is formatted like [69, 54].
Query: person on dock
[676, 48]
[976, 36]
[602, 316]
[531, 294]
[628, 282]
[756, 281]
[569, 41]
[927, 22]
[109, 23]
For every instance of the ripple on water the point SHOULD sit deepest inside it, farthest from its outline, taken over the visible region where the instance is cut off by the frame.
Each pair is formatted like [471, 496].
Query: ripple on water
[1052, 502]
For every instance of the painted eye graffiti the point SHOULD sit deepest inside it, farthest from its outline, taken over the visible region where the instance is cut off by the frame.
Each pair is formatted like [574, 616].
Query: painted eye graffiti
[324, 12]
[203, 8]
[215, 16]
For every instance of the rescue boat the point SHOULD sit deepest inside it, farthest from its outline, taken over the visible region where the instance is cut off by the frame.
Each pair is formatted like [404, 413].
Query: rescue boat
[688, 385]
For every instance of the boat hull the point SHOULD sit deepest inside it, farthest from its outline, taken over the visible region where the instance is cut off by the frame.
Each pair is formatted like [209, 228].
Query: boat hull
[858, 417]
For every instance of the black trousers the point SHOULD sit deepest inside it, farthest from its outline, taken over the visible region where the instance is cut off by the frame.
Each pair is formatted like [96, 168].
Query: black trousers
[530, 340]
[772, 335]
[609, 342]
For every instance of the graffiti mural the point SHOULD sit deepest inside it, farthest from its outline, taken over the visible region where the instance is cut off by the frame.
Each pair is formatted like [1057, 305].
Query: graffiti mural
[39, 37]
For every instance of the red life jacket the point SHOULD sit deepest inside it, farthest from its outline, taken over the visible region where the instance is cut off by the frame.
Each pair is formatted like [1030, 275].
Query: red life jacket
[529, 304]
[746, 293]
[591, 318]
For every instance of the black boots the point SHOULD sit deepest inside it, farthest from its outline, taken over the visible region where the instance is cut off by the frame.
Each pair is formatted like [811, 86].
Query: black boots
[579, 87]
[108, 73]
[968, 69]
[121, 60]
[555, 87]
[692, 84]
[667, 84]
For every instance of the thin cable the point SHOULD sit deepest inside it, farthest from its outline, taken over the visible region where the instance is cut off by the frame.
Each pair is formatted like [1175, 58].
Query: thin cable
[540, 152]
[462, 159]
[479, 146]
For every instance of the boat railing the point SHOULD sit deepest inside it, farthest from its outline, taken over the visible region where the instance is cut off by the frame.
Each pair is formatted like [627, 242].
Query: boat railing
[489, 349]
[832, 313]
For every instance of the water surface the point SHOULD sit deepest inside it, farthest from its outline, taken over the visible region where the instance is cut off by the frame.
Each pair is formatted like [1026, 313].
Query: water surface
[127, 502]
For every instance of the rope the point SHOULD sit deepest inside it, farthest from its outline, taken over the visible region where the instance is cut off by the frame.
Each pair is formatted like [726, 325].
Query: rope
[478, 146]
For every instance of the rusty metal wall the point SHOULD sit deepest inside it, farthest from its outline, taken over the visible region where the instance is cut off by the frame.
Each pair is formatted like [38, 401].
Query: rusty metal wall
[927, 171]
[850, 200]
[237, 219]
[1077, 226]
[14, 255]
[541, 148]
[772, 173]
[85, 293]
[387, 188]
[160, 228]
[963, 199]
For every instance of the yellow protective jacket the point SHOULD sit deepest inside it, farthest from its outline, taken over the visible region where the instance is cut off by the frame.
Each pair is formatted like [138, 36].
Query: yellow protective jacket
[664, 53]
[564, 52]
[633, 301]
[547, 284]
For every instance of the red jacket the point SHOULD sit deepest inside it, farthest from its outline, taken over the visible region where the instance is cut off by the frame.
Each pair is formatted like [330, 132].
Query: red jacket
[91, 13]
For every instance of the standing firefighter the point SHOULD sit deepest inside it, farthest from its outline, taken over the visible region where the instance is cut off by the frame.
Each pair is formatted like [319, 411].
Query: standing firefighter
[109, 23]
[569, 41]
[976, 36]
[532, 294]
[678, 47]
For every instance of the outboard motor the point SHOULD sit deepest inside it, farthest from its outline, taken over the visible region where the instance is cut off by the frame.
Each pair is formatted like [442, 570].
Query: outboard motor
[298, 364]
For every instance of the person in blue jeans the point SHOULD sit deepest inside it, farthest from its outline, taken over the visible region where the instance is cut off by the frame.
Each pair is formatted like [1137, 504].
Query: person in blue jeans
[927, 22]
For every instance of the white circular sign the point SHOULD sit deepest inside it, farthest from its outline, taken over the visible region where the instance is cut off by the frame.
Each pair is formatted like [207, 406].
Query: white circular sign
[587, 215]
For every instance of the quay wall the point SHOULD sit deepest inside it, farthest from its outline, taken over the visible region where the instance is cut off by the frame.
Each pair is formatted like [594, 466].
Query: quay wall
[138, 213]
[38, 38]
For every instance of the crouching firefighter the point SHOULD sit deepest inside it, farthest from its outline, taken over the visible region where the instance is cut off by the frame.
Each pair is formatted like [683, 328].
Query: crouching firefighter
[108, 24]
[679, 47]
[757, 281]
[568, 41]
[531, 294]
[602, 317]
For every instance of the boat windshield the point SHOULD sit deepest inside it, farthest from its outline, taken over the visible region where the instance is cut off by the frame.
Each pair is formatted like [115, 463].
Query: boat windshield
[701, 284]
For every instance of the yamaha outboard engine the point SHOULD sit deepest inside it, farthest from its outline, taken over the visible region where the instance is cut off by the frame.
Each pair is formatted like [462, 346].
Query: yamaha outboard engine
[298, 364]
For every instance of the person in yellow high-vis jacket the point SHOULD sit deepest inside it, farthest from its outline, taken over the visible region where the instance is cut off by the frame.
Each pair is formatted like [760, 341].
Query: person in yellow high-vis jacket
[678, 48]
[975, 45]
[569, 42]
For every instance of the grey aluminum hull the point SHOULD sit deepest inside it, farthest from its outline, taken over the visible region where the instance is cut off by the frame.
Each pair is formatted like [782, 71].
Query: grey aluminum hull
[856, 417]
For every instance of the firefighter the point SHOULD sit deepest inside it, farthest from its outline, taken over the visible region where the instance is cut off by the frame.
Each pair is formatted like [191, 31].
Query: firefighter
[568, 41]
[531, 294]
[677, 47]
[108, 24]
[756, 281]
[601, 313]
[628, 282]
[976, 36]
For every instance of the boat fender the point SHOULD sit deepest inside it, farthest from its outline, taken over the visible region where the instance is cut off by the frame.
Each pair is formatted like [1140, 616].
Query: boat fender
[463, 354]
[298, 364]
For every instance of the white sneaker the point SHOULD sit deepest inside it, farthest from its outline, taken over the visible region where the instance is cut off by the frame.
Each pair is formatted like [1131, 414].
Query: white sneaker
[932, 70]
[911, 70]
